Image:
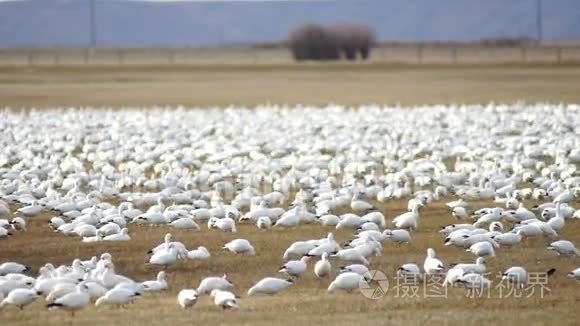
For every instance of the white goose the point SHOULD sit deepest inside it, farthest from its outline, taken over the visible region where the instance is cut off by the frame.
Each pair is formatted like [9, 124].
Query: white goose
[270, 285]
[347, 281]
[159, 284]
[564, 248]
[295, 268]
[72, 301]
[187, 298]
[240, 246]
[212, 283]
[432, 265]
[224, 299]
[20, 298]
[201, 253]
[322, 267]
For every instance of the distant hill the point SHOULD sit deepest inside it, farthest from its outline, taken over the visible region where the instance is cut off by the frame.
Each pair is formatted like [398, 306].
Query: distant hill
[133, 23]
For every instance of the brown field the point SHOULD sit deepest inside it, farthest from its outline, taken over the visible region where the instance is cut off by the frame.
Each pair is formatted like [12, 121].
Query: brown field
[313, 84]
[307, 301]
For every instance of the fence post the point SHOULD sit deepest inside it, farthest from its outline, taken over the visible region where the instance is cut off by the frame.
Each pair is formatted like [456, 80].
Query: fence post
[119, 57]
[524, 54]
[559, 54]
[454, 54]
[420, 53]
[171, 57]
[29, 57]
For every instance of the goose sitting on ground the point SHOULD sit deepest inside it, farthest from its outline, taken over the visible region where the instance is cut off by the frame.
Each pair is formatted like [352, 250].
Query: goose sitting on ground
[159, 284]
[270, 285]
[201, 253]
[121, 236]
[12, 268]
[18, 224]
[187, 298]
[4, 233]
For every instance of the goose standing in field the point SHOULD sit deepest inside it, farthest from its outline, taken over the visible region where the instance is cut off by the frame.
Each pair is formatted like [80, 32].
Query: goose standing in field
[459, 213]
[119, 296]
[575, 274]
[240, 246]
[478, 268]
[457, 203]
[165, 257]
[224, 299]
[159, 284]
[20, 298]
[564, 248]
[347, 281]
[213, 282]
[270, 285]
[398, 236]
[187, 298]
[355, 268]
[264, 222]
[352, 255]
[408, 220]
[72, 301]
[299, 248]
[474, 281]
[322, 267]
[508, 239]
[358, 205]
[410, 271]
[432, 265]
[295, 268]
[178, 246]
[482, 249]
[30, 211]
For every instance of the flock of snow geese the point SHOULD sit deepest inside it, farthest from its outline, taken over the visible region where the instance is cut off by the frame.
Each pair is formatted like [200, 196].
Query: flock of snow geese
[101, 173]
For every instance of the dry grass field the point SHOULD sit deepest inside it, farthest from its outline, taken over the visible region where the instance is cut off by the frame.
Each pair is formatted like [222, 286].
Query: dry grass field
[307, 301]
[313, 84]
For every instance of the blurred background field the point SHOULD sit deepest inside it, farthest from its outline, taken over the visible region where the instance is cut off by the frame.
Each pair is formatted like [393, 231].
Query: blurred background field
[309, 84]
